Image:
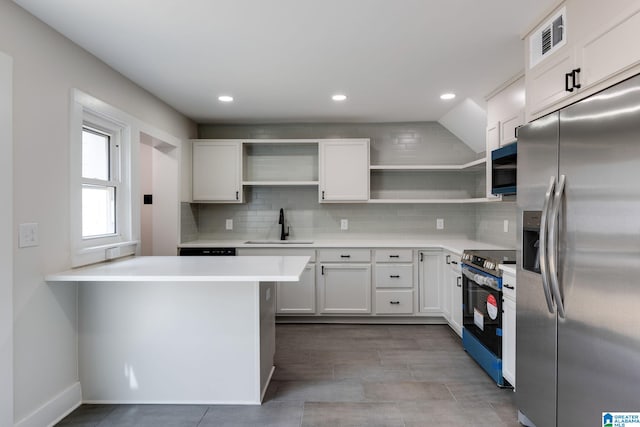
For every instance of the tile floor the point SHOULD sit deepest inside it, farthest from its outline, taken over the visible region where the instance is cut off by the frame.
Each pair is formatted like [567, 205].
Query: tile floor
[346, 375]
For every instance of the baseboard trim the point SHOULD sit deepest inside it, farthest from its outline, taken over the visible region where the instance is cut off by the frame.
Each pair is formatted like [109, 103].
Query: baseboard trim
[55, 409]
[363, 320]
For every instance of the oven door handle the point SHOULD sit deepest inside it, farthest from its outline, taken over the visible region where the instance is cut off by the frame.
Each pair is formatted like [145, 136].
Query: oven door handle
[480, 279]
[544, 270]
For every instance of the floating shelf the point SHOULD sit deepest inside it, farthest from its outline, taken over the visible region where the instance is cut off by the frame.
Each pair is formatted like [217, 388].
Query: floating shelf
[440, 201]
[470, 165]
[280, 183]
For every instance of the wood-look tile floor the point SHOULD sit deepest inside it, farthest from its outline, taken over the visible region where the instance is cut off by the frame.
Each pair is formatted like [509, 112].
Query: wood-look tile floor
[346, 375]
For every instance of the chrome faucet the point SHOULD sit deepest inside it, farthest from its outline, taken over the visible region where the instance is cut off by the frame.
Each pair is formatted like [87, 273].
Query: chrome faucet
[283, 235]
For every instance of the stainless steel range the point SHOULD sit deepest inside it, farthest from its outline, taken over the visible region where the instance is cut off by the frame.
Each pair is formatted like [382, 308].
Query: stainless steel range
[482, 308]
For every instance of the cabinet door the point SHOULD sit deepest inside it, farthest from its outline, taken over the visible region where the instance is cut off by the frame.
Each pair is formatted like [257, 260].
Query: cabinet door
[456, 302]
[298, 297]
[545, 83]
[611, 48]
[344, 288]
[217, 171]
[509, 340]
[344, 170]
[430, 279]
[508, 128]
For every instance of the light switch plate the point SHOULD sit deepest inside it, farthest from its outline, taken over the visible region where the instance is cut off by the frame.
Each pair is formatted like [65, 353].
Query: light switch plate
[229, 224]
[439, 224]
[344, 224]
[28, 235]
[506, 225]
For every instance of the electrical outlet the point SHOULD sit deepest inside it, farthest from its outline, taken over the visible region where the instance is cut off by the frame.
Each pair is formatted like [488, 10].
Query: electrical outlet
[229, 224]
[440, 224]
[506, 225]
[28, 235]
[344, 224]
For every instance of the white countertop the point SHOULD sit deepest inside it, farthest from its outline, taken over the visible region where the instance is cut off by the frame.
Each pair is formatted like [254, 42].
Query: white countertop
[508, 268]
[453, 245]
[189, 269]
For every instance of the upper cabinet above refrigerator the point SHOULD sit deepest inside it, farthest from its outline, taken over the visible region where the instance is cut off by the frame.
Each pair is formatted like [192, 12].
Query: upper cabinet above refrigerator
[578, 49]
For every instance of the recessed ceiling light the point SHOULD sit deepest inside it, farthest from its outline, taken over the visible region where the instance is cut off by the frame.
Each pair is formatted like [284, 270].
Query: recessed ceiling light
[225, 98]
[447, 96]
[339, 97]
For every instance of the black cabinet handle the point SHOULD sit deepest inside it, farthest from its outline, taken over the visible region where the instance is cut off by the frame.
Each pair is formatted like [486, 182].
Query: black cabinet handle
[237, 195]
[448, 259]
[509, 286]
[454, 262]
[574, 77]
[516, 130]
[322, 194]
[345, 256]
[395, 276]
[394, 302]
[394, 256]
[421, 257]
[459, 281]
[322, 270]
[567, 87]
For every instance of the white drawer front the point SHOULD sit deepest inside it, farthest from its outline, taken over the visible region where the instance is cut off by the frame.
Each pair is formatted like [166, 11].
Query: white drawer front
[394, 302]
[344, 255]
[394, 255]
[277, 252]
[394, 276]
[509, 286]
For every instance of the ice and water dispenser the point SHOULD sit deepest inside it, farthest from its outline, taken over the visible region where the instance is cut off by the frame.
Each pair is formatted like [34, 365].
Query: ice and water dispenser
[531, 240]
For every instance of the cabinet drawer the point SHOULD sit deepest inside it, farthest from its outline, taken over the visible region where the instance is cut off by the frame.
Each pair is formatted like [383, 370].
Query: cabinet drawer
[277, 252]
[394, 276]
[509, 286]
[344, 255]
[394, 302]
[394, 255]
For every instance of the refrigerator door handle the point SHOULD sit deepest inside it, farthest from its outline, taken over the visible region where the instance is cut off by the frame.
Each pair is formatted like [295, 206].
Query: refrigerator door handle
[544, 271]
[553, 246]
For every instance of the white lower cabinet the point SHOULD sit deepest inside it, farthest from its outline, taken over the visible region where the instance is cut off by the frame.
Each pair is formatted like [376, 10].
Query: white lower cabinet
[344, 288]
[298, 297]
[509, 328]
[452, 281]
[429, 277]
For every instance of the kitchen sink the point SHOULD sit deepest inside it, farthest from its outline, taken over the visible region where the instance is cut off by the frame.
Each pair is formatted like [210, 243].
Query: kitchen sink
[278, 242]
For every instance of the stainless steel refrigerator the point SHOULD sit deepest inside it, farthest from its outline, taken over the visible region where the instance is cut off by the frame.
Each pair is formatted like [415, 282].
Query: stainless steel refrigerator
[578, 261]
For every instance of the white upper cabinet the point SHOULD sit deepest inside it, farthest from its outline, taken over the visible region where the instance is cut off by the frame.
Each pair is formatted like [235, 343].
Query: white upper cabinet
[217, 171]
[505, 114]
[344, 170]
[599, 50]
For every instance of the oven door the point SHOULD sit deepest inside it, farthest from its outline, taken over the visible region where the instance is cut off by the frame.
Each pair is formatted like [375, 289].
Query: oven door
[482, 309]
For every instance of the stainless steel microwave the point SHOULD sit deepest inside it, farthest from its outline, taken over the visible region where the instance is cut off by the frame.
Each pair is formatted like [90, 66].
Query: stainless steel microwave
[504, 162]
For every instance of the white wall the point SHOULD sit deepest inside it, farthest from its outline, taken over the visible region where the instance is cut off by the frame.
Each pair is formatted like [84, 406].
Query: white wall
[6, 242]
[46, 68]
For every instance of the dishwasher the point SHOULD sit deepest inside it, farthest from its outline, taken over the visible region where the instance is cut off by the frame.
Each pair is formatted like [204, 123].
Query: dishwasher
[207, 251]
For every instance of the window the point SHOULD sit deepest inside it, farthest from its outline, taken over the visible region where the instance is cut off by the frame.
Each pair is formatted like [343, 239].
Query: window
[101, 202]
[100, 180]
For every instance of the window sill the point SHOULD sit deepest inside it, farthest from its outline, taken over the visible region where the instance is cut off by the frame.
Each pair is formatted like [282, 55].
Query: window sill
[98, 253]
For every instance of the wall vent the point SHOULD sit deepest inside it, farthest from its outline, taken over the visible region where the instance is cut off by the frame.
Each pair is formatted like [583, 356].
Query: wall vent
[548, 38]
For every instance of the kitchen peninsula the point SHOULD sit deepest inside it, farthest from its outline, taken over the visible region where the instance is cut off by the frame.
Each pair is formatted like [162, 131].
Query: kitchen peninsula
[178, 329]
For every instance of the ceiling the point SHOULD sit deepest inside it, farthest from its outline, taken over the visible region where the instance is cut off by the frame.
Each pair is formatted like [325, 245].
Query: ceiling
[283, 59]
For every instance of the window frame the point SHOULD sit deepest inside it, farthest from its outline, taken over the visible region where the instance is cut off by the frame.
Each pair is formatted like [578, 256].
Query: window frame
[95, 114]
